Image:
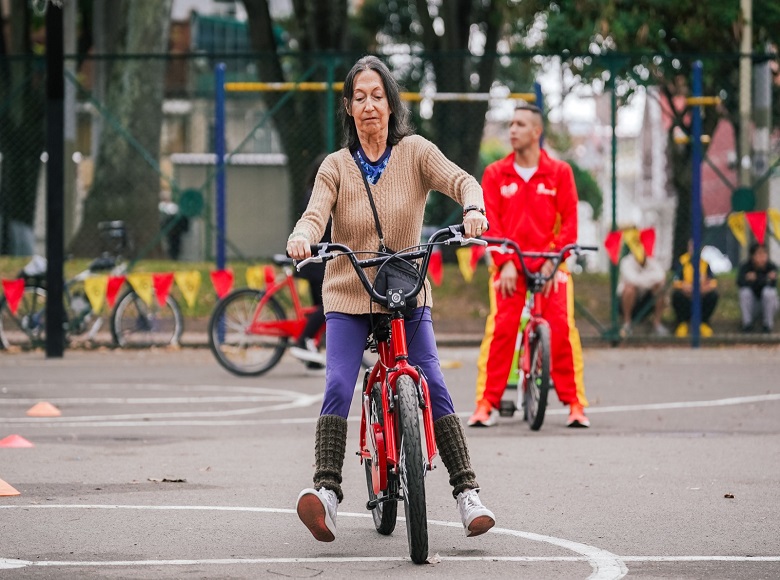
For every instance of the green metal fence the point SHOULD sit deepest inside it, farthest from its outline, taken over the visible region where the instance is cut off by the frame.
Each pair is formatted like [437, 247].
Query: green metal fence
[148, 157]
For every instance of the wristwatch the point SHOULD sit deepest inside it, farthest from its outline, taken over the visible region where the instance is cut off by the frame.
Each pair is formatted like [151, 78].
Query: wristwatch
[469, 208]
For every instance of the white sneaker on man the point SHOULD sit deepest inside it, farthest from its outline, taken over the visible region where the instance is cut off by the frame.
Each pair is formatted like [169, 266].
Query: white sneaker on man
[476, 518]
[317, 510]
[309, 353]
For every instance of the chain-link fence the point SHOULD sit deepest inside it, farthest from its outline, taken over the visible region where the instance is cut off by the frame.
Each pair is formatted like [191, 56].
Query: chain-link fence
[143, 150]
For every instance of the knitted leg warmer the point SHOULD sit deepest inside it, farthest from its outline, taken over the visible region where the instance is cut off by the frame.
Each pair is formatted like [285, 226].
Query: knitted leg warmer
[331, 442]
[451, 440]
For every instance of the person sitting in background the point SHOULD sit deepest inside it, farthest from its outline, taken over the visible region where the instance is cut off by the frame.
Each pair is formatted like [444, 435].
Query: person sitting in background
[757, 281]
[682, 295]
[641, 289]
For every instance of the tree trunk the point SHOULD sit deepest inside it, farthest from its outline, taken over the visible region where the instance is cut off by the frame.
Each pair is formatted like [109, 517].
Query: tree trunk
[300, 120]
[126, 184]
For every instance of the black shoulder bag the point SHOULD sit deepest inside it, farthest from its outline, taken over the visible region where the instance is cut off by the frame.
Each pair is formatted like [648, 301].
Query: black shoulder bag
[396, 273]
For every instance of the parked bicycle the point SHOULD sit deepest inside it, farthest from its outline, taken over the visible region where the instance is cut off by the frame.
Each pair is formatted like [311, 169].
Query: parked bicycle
[397, 443]
[530, 370]
[250, 329]
[133, 322]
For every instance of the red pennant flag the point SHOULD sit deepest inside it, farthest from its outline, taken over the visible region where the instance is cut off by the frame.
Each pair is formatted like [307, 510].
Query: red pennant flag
[612, 245]
[476, 255]
[647, 237]
[162, 287]
[112, 289]
[757, 221]
[13, 290]
[222, 281]
[270, 276]
[435, 268]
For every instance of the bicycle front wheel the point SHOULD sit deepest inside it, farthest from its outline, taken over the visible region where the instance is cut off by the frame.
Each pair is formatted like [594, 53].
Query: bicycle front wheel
[537, 383]
[134, 323]
[26, 328]
[236, 335]
[411, 469]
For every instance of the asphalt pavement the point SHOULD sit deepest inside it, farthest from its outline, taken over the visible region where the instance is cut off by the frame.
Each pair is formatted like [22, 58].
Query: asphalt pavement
[163, 465]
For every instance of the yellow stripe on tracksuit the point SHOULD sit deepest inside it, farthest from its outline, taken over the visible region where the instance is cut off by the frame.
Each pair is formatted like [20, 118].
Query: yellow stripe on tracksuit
[490, 327]
[576, 345]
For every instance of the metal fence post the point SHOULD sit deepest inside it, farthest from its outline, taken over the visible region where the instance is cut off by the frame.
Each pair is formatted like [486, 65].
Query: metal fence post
[219, 149]
[55, 178]
[696, 210]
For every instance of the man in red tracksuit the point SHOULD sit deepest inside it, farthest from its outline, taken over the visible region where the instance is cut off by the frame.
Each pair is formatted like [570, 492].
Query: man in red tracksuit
[531, 199]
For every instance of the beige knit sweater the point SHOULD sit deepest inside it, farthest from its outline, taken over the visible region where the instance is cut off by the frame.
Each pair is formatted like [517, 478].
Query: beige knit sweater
[415, 167]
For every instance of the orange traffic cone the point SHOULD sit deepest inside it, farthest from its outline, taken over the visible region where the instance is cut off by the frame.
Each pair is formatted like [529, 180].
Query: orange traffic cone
[43, 409]
[15, 441]
[6, 489]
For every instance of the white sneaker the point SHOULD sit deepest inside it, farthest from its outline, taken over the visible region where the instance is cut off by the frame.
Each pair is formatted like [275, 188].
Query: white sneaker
[308, 354]
[317, 509]
[476, 518]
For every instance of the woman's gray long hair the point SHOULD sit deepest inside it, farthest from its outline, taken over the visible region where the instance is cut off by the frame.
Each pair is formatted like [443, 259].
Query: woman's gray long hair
[398, 126]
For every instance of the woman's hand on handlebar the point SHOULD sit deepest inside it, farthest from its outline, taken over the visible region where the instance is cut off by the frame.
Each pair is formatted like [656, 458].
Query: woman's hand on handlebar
[298, 248]
[474, 224]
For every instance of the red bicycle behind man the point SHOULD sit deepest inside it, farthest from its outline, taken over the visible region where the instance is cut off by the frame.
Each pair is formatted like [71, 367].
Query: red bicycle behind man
[531, 365]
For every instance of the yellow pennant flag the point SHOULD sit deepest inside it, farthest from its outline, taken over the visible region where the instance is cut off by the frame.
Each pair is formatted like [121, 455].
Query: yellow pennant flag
[738, 227]
[142, 284]
[255, 278]
[188, 284]
[774, 220]
[95, 289]
[464, 263]
[634, 243]
[303, 287]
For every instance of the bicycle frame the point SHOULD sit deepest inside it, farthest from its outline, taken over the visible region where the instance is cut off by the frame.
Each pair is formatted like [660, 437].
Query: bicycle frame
[290, 327]
[392, 364]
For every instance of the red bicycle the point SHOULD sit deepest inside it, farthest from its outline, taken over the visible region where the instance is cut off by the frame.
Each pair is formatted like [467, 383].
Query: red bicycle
[249, 329]
[395, 450]
[531, 365]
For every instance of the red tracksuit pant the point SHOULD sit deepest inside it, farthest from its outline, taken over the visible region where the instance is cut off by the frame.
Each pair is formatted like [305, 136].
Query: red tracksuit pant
[498, 344]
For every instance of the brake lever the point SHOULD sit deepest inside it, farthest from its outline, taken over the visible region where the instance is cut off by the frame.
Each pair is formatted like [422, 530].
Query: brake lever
[318, 259]
[473, 242]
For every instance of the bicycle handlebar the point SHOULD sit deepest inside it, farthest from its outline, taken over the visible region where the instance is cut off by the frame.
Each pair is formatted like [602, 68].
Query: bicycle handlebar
[537, 279]
[445, 236]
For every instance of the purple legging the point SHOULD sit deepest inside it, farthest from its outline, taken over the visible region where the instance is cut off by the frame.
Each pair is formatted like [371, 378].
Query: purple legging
[346, 339]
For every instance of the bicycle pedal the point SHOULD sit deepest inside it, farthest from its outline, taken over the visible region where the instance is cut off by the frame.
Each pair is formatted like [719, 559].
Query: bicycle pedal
[507, 409]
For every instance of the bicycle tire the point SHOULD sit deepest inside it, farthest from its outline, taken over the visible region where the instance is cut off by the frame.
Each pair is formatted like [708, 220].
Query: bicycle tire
[238, 351]
[134, 323]
[537, 385]
[411, 469]
[27, 327]
[385, 514]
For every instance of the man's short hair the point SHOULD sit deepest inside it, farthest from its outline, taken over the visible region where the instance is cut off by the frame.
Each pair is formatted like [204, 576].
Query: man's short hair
[526, 106]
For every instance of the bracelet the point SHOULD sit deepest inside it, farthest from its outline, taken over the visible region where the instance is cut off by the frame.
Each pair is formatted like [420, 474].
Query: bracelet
[296, 234]
[469, 208]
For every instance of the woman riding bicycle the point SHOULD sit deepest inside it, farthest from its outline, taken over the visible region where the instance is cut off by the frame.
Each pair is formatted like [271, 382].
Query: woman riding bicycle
[402, 168]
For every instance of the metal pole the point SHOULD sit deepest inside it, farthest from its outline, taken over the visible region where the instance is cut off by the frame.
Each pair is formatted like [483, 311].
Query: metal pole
[762, 116]
[539, 103]
[696, 215]
[55, 176]
[613, 271]
[745, 97]
[219, 148]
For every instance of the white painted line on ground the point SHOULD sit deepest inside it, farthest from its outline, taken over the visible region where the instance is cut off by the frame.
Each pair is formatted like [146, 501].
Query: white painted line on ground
[605, 565]
[197, 419]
